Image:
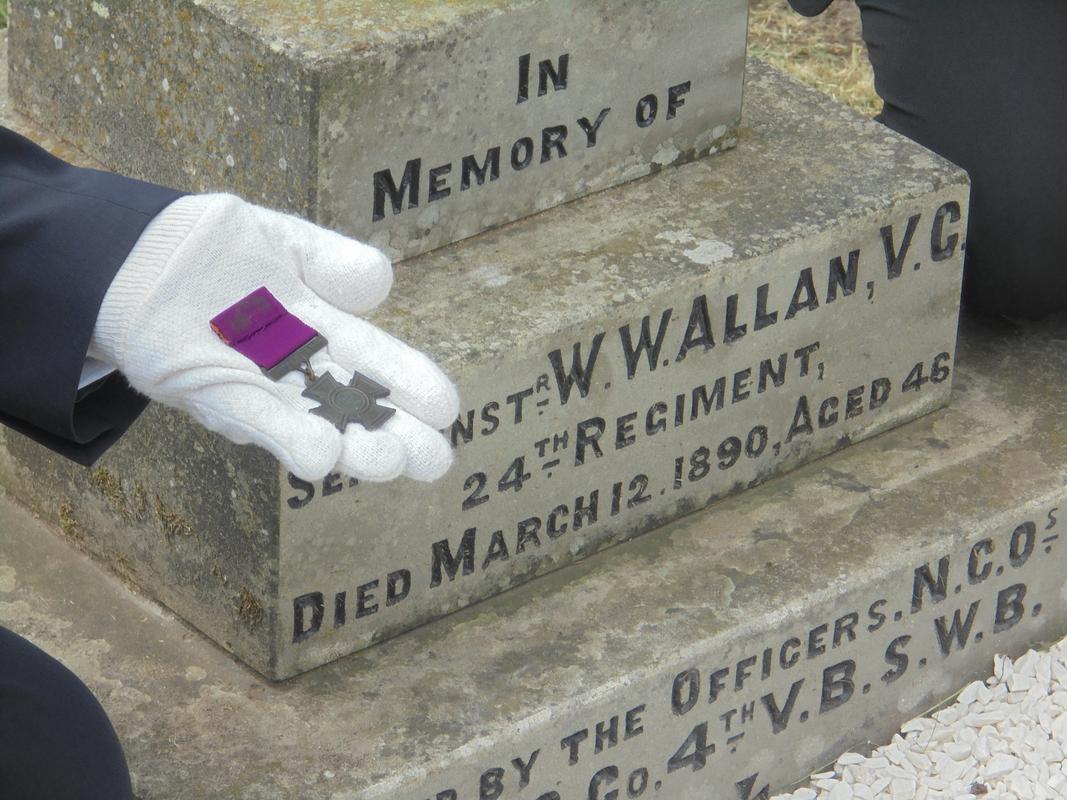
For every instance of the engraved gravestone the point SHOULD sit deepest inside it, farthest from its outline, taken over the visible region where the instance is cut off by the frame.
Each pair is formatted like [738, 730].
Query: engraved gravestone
[715, 379]
[726, 656]
[623, 360]
[689, 336]
[409, 125]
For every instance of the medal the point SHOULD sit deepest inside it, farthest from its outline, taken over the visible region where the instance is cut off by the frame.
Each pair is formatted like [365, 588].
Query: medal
[258, 327]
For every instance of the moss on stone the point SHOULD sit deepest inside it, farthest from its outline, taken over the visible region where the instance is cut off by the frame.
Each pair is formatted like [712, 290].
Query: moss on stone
[174, 524]
[139, 505]
[105, 482]
[249, 608]
[67, 521]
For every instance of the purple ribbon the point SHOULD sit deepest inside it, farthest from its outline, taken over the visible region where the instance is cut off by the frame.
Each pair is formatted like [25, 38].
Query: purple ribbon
[258, 327]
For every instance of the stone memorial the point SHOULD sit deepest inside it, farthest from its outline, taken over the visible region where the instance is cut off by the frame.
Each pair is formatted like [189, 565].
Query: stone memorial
[725, 656]
[409, 125]
[624, 360]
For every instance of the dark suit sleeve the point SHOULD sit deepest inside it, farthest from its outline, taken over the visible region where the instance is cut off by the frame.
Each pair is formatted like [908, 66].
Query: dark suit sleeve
[810, 8]
[64, 233]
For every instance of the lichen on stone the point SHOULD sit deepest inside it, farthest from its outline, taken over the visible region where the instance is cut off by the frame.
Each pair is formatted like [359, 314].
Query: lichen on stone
[216, 570]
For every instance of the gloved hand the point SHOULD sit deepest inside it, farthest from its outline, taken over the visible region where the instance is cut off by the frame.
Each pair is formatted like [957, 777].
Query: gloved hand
[205, 252]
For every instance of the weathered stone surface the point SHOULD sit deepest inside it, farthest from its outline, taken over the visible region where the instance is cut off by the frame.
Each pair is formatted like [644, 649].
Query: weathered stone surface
[319, 107]
[978, 487]
[289, 575]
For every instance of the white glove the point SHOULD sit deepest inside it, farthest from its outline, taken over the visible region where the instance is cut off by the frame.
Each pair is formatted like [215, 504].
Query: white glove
[202, 254]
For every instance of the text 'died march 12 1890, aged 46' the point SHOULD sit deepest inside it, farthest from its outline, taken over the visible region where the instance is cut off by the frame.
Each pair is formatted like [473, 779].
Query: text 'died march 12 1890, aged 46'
[635, 420]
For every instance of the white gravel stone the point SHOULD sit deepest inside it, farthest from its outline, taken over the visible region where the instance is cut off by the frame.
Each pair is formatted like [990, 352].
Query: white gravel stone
[1000, 765]
[958, 750]
[850, 759]
[1003, 738]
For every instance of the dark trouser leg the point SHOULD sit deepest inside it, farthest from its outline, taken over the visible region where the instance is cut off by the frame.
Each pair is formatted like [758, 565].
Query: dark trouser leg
[56, 742]
[981, 82]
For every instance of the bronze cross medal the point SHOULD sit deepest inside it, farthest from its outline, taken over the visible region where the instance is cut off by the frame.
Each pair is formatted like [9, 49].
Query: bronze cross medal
[356, 402]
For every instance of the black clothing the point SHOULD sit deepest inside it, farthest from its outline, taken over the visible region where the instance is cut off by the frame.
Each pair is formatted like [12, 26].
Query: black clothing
[981, 83]
[56, 742]
[64, 233]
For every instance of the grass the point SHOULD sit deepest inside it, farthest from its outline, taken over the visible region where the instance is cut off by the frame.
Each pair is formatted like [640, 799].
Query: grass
[3, 13]
[826, 52]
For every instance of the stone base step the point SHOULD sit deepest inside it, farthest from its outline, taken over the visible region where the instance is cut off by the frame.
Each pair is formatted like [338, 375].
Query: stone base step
[410, 125]
[623, 360]
[729, 651]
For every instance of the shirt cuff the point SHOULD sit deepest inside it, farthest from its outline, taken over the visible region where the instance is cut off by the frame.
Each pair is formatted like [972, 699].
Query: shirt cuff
[93, 370]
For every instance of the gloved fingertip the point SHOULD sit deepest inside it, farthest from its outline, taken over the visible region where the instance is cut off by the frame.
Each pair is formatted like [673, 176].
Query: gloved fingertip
[442, 407]
[430, 463]
[313, 460]
[375, 456]
[348, 274]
